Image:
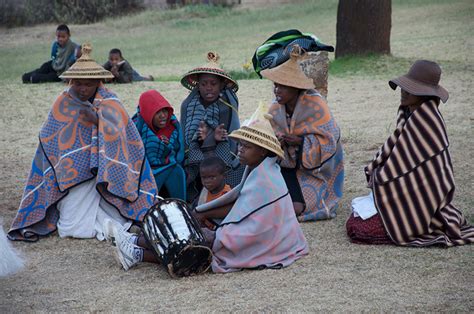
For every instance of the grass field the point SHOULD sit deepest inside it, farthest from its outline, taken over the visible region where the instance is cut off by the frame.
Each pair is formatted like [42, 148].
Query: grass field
[82, 275]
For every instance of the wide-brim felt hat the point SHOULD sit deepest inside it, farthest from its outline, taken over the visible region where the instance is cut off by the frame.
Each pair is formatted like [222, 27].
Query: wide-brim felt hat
[290, 72]
[86, 68]
[191, 79]
[422, 80]
[258, 130]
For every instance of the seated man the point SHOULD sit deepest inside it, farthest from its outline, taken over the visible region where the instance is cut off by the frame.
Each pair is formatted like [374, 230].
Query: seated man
[90, 166]
[411, 176]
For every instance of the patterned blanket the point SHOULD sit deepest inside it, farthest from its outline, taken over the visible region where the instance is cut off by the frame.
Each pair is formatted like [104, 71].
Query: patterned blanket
[412, 180]
[319, 160]
[71, 150]
[261, 229]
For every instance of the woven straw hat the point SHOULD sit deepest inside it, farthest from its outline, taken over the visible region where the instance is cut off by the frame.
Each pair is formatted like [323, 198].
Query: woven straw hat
[191, 79]
[422, 80]
[86, 68]
[259, 131]
[290, 72]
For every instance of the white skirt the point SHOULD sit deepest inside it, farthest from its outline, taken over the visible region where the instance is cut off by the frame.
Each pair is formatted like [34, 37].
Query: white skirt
[83, 213]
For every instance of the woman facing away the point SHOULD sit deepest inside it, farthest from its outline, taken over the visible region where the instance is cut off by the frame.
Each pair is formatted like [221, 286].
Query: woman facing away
[90, 166]
[312, 165]
[208, 115]
[411, 176]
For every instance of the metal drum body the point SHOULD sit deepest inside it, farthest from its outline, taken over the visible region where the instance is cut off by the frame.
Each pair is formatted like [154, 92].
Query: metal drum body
[176, 239]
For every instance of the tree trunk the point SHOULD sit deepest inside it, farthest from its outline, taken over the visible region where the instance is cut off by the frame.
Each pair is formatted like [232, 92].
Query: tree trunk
[363, 27]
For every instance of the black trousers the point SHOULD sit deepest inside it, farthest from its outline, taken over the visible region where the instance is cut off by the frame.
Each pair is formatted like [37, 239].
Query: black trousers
[45, 73]
[289, 174]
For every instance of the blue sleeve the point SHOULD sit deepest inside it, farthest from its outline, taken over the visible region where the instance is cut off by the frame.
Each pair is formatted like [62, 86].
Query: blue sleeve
[54, 50]
[180, 152]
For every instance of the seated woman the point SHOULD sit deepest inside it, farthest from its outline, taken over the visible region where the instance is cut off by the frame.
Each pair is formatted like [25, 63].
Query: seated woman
[90, 166]
[257, 227]
[313, 165]
[411, 176]
[208, 114]
[163, 140]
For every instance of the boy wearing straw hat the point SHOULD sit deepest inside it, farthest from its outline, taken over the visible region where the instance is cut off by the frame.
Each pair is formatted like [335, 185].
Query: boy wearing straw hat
[208, 114]
[258, 227]
[90, 165]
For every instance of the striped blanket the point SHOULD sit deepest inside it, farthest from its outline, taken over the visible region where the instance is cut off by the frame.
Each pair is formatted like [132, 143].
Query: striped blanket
[73, 150]
[319, 160]
[412, 180]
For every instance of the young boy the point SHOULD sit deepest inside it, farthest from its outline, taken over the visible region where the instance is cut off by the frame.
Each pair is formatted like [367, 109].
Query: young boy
[213, 176]
[63, 54]
[122, 70]
[164, 145]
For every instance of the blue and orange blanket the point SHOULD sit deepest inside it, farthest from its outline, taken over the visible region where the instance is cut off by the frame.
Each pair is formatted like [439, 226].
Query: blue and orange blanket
[72, 149]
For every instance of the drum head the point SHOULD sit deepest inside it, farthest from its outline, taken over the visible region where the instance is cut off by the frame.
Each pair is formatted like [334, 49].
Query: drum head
[192, 260]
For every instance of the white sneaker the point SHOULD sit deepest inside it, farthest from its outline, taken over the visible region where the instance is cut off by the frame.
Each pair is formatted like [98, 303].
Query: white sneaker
[125, 249]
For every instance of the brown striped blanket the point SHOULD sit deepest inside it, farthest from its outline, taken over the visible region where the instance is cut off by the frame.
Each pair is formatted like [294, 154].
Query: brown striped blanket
[412, 180]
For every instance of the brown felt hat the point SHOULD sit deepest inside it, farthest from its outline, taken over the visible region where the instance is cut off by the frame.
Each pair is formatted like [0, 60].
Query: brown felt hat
[290, 72]
[422, 80]
[191, 79]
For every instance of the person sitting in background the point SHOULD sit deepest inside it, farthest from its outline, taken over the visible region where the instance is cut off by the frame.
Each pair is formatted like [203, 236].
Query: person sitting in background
[313, 165]
[208, 114]
[63, 54]
[163, 140]
[89, 167]
[411, 176]
[122, 70]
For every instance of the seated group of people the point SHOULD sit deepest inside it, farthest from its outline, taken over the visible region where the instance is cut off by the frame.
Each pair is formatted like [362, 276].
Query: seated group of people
[97, 171]
[64, 52]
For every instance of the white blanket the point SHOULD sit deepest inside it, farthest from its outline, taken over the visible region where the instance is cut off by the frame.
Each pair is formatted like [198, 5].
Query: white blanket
[83, 212]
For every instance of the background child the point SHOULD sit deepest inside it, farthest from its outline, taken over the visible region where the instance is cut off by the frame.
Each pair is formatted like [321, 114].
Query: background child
[122, 70]
[164, 145]
[63, 54]
[213, 176]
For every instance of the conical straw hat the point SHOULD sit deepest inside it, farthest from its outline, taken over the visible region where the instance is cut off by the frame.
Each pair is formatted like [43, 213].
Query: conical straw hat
[258, 130]
[191, 79]
[290, 72]
[86, 68]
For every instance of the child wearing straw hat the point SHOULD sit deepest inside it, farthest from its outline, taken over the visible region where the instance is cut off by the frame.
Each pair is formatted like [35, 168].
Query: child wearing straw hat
[312, 165]
[258, 227]
[90, 165]
[411, 176]
[208, 115]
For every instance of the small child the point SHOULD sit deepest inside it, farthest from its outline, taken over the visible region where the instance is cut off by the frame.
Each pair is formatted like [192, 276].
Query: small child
[122, 70]
[213, 177]
[163, 140]
[63, 54]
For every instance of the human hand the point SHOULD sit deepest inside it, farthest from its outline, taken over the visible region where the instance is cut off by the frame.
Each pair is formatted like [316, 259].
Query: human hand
[220, 133]
[202, 131]
[89, 115]
[115, 71]
[291, 139]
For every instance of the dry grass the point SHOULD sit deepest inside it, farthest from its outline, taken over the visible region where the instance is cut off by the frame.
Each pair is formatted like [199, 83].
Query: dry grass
[82, 275]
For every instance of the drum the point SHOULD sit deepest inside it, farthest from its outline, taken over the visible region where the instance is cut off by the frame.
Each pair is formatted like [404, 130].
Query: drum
[176, 238]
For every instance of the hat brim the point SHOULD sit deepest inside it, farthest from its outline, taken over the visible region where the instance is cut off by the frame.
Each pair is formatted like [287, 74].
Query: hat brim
[419, 89]
[243, 134]
[191, 79]
[288, 77]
